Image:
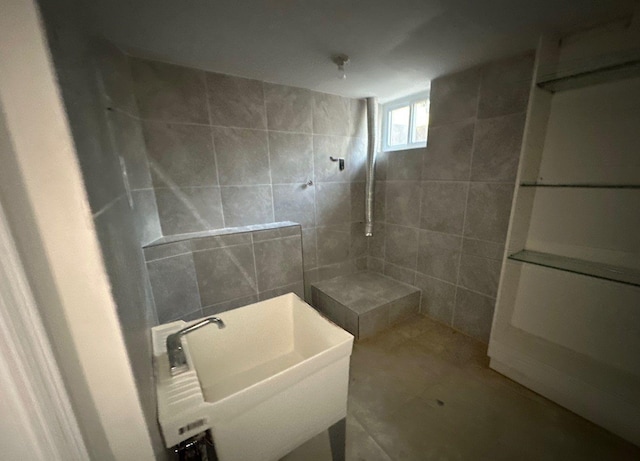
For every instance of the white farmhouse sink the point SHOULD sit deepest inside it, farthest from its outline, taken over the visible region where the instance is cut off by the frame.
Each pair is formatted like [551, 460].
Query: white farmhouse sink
[276, 376]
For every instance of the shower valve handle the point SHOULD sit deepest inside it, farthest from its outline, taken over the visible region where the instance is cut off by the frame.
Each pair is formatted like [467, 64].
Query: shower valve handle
[340, 162]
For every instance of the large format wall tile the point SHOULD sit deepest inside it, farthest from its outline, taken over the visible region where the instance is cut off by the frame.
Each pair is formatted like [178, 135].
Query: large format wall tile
[401, 274]
[225, 306]
[443, 206]
[130, 145]
[380, 201]
[484, 249]
[278, 262]
[145, 215]
[448, 153]
[175, 288]
[488, 210]
[333, 203]
[220, 241]
[439, 254]
[358, 241]
[151, 253]
[479, 274]
[180, 155]
[235, 102]
[401, 246]
[454, 97]
[333, 244]
[169, 93]
[473, 314]
[376, 242]
[226, 271]
[497, 148]
[505, 86]
[403, 203]
[296, 288]
[115, 73]
[291, 157]
[325, 147]
[225, 274]
[294, 202]
[356, 164]
[242, 156]
[92, 136]
[467, 174]
[189, 209]
[331, 114]
[266, 142]
[438, 298]
[288, 108]
[358, 118]
[405, 165]
[382, 165]
[309, 248]
[244, 205]
[357, 201]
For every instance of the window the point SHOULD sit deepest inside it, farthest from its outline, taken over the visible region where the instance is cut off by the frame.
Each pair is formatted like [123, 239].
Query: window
[405, 123]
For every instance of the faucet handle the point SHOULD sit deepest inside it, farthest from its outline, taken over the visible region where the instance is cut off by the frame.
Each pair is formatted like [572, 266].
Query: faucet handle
[175, 352]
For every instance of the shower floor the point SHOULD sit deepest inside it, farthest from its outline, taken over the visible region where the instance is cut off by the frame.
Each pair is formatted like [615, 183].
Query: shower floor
[422, 391]
[365, 303]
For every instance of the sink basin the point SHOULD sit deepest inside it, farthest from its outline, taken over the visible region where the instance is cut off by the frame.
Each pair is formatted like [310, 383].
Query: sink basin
[276, 376]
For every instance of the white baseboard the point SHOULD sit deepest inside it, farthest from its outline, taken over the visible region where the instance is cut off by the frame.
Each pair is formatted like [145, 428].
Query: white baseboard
[604, 408]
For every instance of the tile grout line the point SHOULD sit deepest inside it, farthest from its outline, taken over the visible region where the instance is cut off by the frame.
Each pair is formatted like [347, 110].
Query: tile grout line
[466, 200]
[195, 272]
[476, 118]
[315, 195]
[248, 296]
[107, 206]
[266, 122]
[255, 265]
[213, 145]
[148, 261]
[212, 125]
[462, 236]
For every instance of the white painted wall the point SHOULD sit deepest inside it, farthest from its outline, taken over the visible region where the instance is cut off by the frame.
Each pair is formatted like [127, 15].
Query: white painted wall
[43, 195]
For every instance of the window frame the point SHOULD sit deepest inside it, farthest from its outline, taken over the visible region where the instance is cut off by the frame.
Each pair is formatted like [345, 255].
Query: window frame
[390, 106]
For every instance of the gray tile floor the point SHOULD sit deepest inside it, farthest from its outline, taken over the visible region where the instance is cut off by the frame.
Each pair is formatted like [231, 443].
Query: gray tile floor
[422, 391]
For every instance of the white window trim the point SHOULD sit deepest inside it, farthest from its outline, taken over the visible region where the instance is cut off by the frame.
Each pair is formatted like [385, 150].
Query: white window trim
[386, 110]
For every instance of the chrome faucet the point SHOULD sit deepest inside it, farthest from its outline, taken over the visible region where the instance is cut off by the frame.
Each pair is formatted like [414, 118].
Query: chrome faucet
[177, 359]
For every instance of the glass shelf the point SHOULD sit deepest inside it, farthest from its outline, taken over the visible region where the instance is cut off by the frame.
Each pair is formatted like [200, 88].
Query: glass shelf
[582, 185]
[578, 266]
[609, 73]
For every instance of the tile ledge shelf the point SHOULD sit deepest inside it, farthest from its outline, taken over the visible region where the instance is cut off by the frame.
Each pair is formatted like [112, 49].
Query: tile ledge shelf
[619, 274]
[216, 232]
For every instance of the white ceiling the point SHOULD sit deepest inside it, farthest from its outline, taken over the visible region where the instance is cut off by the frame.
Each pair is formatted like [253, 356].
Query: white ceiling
[396, 46]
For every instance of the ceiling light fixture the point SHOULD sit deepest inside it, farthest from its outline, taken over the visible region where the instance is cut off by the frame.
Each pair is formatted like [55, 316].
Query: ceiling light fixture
[341, 61]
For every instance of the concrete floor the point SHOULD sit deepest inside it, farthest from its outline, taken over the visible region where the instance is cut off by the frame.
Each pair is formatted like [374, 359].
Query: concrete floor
[422, 391]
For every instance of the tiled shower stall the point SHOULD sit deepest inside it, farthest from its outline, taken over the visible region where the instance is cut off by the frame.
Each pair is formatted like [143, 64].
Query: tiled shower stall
[442, 212]
[225, 151]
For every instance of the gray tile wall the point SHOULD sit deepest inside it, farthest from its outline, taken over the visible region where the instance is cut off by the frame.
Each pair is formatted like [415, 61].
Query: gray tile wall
[442, 212]
[227, 151]
[205, 276]
[97, 90]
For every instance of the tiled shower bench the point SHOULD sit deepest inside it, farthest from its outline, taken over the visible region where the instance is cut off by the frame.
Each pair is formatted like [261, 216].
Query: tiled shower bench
[365, 303]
